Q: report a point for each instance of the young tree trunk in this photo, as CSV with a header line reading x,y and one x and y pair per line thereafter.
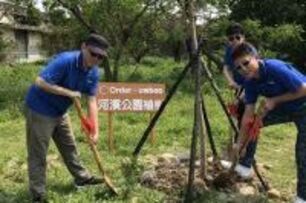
x,y
197,102
107,70
117,63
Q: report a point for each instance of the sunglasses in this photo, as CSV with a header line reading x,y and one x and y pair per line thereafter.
x,y
235,37
245,64
95,55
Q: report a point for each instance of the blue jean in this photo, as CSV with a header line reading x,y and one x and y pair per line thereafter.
x,y
279,116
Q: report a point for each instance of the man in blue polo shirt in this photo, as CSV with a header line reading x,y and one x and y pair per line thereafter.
x,y
67,76
284,89
235,36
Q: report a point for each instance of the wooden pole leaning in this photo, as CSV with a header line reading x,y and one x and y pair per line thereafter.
x,y
110,137
165,102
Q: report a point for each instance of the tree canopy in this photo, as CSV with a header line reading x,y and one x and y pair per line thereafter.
x,y
136,28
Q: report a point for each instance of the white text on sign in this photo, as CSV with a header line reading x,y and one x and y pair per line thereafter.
x,y
134,97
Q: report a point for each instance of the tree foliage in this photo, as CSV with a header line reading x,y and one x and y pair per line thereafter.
x,y
136,28
33,15
280,25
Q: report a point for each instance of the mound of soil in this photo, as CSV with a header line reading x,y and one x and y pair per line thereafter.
x,y
169,173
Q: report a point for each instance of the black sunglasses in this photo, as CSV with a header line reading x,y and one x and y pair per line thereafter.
x,y
96,55
245,64
232,38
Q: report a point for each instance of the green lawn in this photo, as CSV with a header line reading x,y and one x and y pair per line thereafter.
x,y
173,133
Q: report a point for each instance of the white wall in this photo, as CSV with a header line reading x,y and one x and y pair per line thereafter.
x,y
34,46
34,53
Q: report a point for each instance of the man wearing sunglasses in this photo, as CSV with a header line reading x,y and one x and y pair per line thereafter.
x,y
235,36
284,89
67,76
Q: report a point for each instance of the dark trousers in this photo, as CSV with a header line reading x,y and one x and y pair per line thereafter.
x,y
40,129
279,116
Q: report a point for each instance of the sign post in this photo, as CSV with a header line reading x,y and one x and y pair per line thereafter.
x,y
129,97
152,135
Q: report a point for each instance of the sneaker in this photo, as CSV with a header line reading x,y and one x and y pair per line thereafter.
x,y
299,200
226,164
89,182
243,171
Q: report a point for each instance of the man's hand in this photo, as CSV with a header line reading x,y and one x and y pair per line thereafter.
x,y
89,127
237,150
232,108
74,94
270,104
233,85
94,138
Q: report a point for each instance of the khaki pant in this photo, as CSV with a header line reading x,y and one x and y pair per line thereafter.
x,y
40,129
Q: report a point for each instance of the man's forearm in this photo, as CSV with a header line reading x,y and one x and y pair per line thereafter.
x,y
228,75
54,89
301,92
247,118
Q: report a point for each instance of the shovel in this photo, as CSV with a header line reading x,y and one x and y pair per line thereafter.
x,y
226,178
93,148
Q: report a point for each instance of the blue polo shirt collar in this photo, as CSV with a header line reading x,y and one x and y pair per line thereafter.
x,y
262,70
80,63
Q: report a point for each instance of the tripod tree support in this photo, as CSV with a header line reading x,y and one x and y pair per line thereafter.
x,y
165,102
203,135
197,131
208,129
219,97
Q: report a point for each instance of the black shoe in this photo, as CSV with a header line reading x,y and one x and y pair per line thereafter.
x,y
89,182
39,199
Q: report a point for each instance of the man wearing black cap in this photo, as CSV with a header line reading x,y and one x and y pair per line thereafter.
x,y
67,76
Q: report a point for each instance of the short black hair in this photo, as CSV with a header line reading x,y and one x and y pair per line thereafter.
x,y
234,29
97,41
243,49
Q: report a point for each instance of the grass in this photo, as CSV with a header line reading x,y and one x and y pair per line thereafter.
x,y
173,133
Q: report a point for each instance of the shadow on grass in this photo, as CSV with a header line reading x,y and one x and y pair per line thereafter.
x,y
20,196
101,192
220,197
131,169
63,189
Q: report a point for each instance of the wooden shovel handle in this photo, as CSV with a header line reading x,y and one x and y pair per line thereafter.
x,y
261,112
94,149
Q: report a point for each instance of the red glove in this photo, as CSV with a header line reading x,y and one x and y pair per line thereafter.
x,y
88,126
253,130
232,108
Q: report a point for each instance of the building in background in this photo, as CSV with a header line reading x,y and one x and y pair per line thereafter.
x,y
21,41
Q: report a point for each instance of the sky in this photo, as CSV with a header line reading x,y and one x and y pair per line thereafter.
x,y
39,5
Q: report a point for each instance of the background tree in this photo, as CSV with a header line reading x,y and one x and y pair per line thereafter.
x,y
282,24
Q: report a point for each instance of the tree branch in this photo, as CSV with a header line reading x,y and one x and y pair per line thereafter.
x,y
78,14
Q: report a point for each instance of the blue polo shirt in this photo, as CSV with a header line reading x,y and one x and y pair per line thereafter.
x,y
65,70
228,61
276,78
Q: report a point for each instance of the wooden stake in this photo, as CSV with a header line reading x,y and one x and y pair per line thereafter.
x,y
152,134
203,134
110,140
